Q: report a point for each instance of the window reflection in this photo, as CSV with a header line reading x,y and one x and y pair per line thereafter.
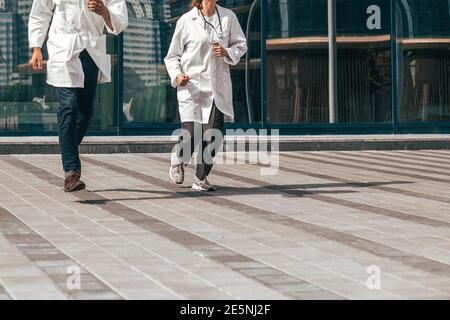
x,y
424,60
297,63
148,96
27,103
364,61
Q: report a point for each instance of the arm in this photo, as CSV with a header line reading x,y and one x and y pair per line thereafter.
x,y
114,13
40,16
173,58
118,14
237,44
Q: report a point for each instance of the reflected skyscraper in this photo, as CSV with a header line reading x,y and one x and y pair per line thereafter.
x,y
14,48
23,8
5,5
145,41
8,43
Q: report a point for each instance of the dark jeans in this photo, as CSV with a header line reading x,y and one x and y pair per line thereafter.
x,y
75,112
196,134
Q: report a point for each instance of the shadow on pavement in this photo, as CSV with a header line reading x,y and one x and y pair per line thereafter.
x,y
290,191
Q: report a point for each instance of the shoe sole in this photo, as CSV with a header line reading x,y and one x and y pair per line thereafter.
x,y
79,187
171,177
198,188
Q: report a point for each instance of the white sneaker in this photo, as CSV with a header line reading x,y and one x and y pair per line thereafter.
x,y
202,185
176,173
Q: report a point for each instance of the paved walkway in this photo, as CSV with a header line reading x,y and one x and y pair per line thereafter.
x,y
328,225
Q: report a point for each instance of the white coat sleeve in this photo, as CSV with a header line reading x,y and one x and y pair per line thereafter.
x,y
237,44
176,49
119,16
40,17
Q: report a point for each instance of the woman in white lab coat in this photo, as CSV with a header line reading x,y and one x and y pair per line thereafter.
x,y
207,40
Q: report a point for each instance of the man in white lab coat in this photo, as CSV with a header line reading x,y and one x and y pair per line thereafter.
x,y
77,63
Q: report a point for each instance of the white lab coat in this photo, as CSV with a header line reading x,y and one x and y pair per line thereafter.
x,y
191,53
73,29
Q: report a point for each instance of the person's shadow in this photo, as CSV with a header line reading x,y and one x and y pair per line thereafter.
x,y
291,191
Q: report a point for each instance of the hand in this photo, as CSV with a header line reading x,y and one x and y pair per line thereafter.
x,y
98,7
219,50
36,59
182,79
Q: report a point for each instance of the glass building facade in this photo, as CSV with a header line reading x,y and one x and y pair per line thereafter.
x,y
393,69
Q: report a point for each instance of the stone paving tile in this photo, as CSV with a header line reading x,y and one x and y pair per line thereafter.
x,y
400,215
41,253
167,276
423,218
118,247
371,168
237,241
408,167
415,158
261,209
309,238
80,250
191,214
326,161
403,228
223,256
20,278
435,153
413,162
4,295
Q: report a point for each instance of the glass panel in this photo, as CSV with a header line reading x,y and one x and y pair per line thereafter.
x,y
148,96
364,61
297,61
246,76
424,60
27,103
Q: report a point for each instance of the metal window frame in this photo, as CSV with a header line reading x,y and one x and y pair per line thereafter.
x,y
264,14
394,67
119,88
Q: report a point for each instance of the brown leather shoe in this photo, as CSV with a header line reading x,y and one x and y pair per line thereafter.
x,y
72,182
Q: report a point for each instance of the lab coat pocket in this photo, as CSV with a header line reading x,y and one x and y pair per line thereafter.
x,y
60,46
188,93
101,43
